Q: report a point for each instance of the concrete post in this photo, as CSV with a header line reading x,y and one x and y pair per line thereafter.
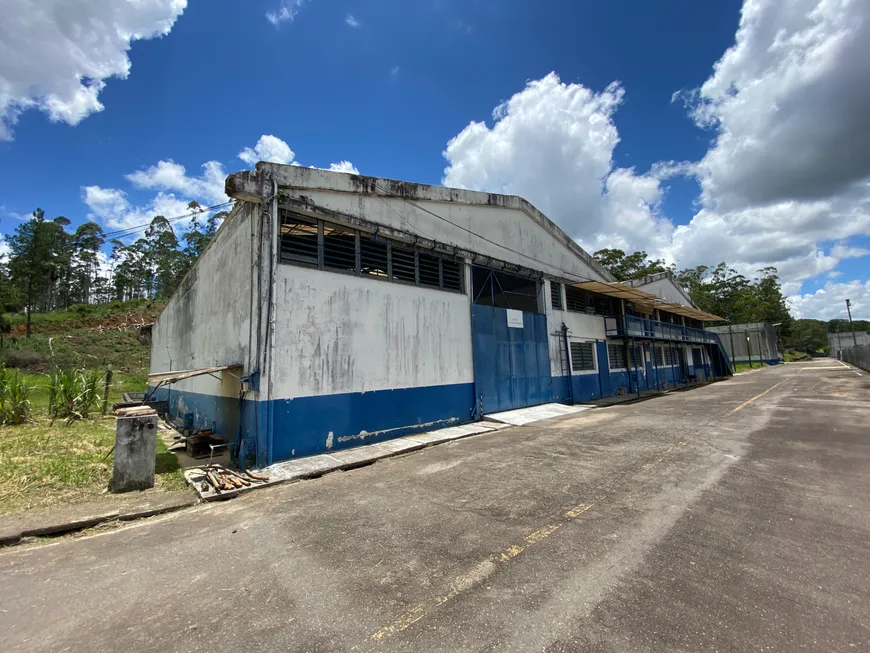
x,y
135,452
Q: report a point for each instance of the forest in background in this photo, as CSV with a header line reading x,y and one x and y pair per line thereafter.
x,y
723,291
50,268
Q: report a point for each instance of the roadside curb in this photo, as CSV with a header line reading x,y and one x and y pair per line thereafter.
x,y
61,527
311,467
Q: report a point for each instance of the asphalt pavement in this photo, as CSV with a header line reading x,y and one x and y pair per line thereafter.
x,y
732,517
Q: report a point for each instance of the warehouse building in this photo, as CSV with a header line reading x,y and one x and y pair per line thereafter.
x,y
332,310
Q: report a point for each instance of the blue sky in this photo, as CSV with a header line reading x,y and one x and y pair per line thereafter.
x,y
388,89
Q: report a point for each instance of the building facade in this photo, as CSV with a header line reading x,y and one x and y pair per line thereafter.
x,y
344,310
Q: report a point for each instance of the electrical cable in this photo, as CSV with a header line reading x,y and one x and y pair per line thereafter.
x,y
567,274
132,230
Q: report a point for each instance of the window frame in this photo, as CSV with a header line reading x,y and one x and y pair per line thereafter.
x,y
556,292
362,239
592,350
620,347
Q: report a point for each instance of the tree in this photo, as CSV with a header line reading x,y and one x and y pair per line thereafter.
x,y
87,242
33,258
723,291
626,267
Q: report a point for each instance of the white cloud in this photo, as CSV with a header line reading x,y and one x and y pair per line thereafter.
x,y
57,56
344,166
789,103
351,21
285,13
787,171
176,188
170,176
111,207
829,303
394,71
269,148
553,143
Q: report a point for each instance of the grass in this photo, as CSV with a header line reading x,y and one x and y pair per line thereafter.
x,y
791,355
133,311
743,367
43,464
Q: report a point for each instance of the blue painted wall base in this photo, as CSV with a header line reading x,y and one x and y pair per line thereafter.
x,y
310,425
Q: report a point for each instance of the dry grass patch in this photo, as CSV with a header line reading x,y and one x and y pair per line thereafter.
x,y
43,464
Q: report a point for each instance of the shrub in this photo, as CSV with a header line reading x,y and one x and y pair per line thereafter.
x,y
73,394
24,359
14,397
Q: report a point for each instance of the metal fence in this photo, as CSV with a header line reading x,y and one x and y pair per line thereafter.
x,y
858,356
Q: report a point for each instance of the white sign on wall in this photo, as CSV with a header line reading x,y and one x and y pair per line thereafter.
x,y
514,319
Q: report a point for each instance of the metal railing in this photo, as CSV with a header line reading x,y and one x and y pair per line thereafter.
x,y
639,327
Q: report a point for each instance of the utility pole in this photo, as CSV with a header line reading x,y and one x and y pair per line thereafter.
x,y
851,326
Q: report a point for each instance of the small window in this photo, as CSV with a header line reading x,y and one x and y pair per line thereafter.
x,y
582,356
578,301
659,358
404,263
616,356
669,356
374,256
451,272
298,239
556,295
430,269
339,248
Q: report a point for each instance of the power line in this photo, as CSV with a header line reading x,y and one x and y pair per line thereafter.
x,y
567,274
129,231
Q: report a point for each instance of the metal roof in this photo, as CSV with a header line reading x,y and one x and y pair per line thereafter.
x,y
688,311
172,377
643,300
617,290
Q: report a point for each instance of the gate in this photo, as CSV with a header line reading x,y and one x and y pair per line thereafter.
x,y
511,358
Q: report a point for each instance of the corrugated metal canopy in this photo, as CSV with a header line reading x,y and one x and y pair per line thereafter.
x,y
617,290
688,311
172,377
643,300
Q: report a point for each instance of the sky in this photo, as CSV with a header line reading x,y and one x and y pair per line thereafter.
x,y
699,132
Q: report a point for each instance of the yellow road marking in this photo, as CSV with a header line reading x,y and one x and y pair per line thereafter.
x,y
418,612
831,367
759,396
465,583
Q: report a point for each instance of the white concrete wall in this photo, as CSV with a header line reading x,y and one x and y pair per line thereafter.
x,y
843,340
666,289
337,333
506,220
581,326
207,321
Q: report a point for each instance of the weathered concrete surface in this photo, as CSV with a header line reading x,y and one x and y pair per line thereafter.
x,y
135,451
731,518
66,518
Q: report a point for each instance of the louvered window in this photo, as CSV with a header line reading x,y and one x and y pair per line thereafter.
x,y
556,295
616,356
582,356
316,243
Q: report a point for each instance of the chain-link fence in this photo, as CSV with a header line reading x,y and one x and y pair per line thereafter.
x,y
858,356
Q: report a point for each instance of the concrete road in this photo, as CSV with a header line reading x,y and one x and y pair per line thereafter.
x,y
733,517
